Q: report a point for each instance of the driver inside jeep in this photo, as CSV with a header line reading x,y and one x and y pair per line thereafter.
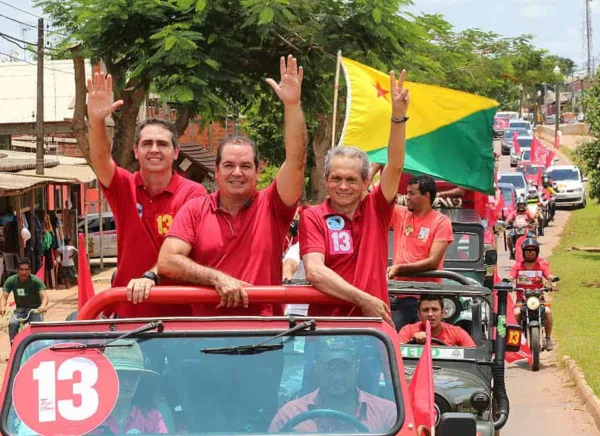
x,y
337,405
431,308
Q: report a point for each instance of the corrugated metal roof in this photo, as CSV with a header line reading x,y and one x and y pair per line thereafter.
x,y
18,82
11,184
200,155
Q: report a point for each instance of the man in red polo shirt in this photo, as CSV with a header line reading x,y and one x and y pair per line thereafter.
x,y
143,203
421,237
344,240
431,308
237,235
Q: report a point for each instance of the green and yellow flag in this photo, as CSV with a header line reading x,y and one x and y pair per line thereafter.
x,y
449,134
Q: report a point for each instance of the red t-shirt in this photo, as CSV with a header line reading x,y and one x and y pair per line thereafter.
x,y
451,335
377,414
357,249
415,235
248,246
530,277
139,237
515,215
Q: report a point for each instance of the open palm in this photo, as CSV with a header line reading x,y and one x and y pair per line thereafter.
x,y
290,87
99,105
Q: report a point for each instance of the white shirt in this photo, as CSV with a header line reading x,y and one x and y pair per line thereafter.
x,y
67,251
294,253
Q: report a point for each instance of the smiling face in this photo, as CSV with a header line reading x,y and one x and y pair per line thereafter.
x,y
155,150
237,174
345,184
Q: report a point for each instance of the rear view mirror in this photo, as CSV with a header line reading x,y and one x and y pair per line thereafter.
x,y
453,424
500,226
513,338
491,257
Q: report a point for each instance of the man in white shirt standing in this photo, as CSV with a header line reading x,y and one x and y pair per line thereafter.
x,y
67,254
293,269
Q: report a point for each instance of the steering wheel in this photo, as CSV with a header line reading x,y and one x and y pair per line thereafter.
x,y
323,413
434,340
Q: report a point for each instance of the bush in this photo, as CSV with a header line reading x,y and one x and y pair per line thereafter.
x,y
587,157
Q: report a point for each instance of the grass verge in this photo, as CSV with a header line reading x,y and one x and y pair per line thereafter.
x,y
577,306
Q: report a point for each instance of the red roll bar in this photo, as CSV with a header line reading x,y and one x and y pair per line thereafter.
x,y
207,295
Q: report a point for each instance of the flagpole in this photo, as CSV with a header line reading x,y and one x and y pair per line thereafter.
x,y
335,96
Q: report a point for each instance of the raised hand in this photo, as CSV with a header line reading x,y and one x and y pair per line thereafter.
x,y
99,94
290,86
400,96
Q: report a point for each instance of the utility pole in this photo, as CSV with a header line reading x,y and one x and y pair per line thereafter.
x,y
589,37
39,116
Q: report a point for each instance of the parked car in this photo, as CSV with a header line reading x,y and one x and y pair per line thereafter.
x,y
520,124
516,179
570,185
507,139
109,234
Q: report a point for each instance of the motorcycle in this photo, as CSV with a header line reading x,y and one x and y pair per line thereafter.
x,y
536,210
519,228
532,321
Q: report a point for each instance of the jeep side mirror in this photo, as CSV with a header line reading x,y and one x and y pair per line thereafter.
x,y
452,424
491,257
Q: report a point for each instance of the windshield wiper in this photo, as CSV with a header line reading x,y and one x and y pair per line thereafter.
x,y
154,325
262,346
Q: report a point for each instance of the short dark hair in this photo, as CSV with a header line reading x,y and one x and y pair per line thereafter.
x,y
158,122
431,297
23,261
67,240
426,184
237,140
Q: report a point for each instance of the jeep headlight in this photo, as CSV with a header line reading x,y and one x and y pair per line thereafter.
x,y
450,308
481,401
533,303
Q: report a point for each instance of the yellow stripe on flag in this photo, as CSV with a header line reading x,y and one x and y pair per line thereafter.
x,y
368,110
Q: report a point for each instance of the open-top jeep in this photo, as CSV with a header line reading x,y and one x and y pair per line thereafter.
x,y
210,375
467,380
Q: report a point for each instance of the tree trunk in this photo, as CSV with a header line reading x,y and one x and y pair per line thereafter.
x,y
80,111
321,145
183,119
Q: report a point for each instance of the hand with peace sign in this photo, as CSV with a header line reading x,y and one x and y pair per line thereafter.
x,y
290,86
400,95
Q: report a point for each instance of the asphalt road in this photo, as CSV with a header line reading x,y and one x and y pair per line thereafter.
x,y
542,403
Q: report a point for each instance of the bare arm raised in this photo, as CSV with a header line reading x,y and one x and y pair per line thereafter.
x,y
290,177
99,108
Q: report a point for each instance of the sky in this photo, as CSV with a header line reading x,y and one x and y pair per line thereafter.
x,y
556,24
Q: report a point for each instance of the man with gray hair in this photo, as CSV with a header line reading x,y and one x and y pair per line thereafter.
x,y
344,240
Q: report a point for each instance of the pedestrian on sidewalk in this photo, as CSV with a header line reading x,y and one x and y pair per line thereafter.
x,y
67,254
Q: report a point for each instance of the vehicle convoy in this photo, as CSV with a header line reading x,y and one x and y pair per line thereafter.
x,y
507,139
227,375
467,380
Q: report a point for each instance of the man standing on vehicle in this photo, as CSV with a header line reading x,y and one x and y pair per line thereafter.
x,y
421,237
29,293
343,241
431,308
156,188
236,236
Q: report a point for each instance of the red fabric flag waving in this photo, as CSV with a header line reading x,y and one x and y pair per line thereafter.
x,y
41,272
516,143
421,389
549,158
85,287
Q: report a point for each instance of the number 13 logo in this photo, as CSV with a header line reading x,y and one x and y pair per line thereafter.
x,y
340,242
164,224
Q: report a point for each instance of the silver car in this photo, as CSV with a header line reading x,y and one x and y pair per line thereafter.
x,y
524,143
507,139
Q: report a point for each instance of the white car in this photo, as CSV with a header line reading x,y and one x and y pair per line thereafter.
x,y
521,124
109,234
517,180
524,144
570,185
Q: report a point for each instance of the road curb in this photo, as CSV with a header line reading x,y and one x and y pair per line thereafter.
x,y
585,392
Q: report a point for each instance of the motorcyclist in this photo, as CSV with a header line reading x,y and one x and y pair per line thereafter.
x,y
530,274
520,213
549,194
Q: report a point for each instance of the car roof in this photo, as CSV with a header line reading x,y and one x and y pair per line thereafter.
x,y
525,137
512,173
507,186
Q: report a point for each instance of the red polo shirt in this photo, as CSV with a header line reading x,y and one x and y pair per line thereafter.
x,y
139,237
451,335
357,249
248,246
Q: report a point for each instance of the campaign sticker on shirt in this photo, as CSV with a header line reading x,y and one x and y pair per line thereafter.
x,y
340,242
530,277
424,233
69,389
140,209
335,222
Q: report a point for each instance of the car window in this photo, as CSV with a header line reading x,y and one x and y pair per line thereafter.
x,y
200,393
526,154
516,180
529,170
564,175
465,247
524,142
523,125
507,195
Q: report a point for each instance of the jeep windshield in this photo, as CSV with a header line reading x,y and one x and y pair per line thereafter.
x,y
317,382
464,248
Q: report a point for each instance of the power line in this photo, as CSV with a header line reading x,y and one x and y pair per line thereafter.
x,y
17,21
31,63
25,12
15,41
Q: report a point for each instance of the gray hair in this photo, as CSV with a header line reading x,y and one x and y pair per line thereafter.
x,y
349,153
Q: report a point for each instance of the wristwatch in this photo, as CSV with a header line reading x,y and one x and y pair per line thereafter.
x,y
150,275
399,120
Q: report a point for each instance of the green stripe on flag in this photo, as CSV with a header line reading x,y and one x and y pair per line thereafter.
x,y
460,153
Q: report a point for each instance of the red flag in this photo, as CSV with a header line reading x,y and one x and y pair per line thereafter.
x,y
85,287
41,274
549,158
421,390
516,143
